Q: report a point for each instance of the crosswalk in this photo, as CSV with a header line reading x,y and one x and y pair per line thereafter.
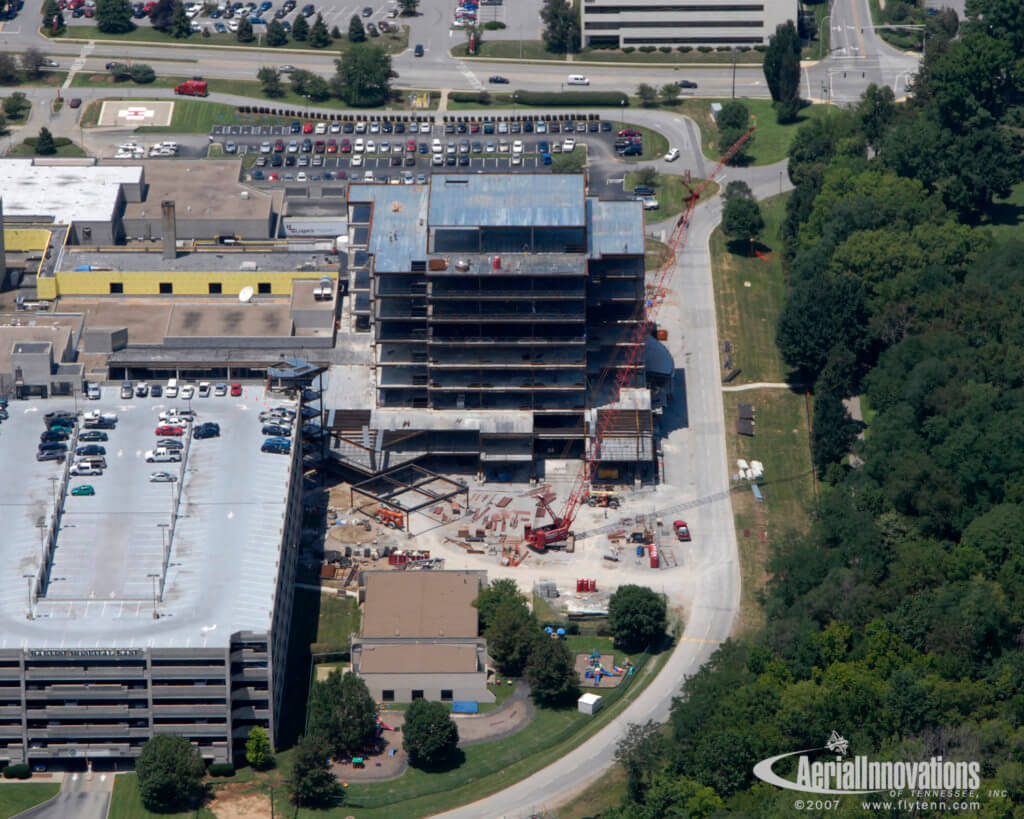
x,y
79,62
471,78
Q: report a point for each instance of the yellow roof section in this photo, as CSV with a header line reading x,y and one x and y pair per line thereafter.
x,y
23,240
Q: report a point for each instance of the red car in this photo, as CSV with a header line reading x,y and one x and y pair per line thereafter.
x,y
274,177
629,132
307,128
682,530
236,390
332,146
346,146
278,146
167,429
410,146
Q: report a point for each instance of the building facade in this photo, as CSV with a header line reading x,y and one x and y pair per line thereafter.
x,y
638,23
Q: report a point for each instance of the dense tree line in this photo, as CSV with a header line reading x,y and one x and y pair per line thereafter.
x,y
897,619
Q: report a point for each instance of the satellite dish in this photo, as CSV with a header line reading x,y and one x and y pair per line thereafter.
x,y
245,295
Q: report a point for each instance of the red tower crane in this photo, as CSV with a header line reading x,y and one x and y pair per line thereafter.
x,y
539,538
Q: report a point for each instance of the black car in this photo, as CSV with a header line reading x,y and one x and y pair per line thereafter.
x,y
396,160
156,391
386,127
528,127
296,126
208,430
169,443
277,429
53,446
367,12
53,416
276,447
497,79
463,161
92,435
594,126
418,51
308,10
399,127
52,435
50,455
91,449
605,127
348,127
686,84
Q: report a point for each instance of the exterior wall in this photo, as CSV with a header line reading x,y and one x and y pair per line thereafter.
x,y
463,686
147,283
185,228
683,22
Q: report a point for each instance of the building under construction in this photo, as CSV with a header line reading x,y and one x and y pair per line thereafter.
x,y
497,305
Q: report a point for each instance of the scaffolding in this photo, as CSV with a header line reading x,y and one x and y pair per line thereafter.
x,y
387,489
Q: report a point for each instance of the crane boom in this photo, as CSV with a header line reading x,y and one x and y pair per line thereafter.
x,y
541,537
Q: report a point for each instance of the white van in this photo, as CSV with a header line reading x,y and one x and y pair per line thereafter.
x,y
171,391
577,79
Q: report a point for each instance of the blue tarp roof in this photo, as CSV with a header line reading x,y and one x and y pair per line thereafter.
x,y
502,200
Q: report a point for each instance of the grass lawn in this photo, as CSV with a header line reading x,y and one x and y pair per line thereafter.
x,y
21,118
392,43
339,620
771,140
15,798
1005,219
747,315
125,803
509,50
50,78
572,161
655,143
498,101
656,254
27,148
671,193
607,792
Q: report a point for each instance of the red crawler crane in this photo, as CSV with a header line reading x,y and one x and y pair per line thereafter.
x,y
541,537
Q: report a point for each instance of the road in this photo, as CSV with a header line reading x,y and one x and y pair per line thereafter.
x,y
82,796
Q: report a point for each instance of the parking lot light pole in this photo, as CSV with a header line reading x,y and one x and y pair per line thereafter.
x,y
154,576
622,123
29,577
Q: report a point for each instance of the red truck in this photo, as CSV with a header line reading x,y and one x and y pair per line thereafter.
x,y
193,88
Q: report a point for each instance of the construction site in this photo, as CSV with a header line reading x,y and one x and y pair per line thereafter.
x,y
520,386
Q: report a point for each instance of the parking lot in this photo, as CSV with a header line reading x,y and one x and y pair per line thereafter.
x,y
402,148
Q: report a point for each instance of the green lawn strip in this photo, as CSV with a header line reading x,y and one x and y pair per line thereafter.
x,y
45,78
499,101
488,767
27,148
509,50
747,315
671,193
572,161
339,620
607,792
600,55
656,254
15,798
125,803
392,43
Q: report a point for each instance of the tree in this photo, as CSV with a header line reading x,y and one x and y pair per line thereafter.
x,y
142,74
875,112
300,29
114,16
999,19
276,35
363,76
733,121
258,751
648,95
636,618
335,33
430,735
163,14
741,215
51,10
244,32
270,81
408,7
833,431
181,26
299,79
3,124
170,773
319,37
16,104
311,782
8,69
317,88
639,752
120,72
511,637
356,32
669,94
45,145
32,61
561,26
782,71
551,673
647,175
342,711
493,597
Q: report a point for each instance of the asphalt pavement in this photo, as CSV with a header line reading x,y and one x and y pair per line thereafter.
x,y
82,796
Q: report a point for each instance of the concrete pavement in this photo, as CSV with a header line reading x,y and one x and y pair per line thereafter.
x,y
82,796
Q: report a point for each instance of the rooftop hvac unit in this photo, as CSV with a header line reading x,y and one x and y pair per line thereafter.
x,y
462,265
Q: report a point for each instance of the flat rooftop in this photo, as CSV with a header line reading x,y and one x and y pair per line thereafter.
x,y
506,200
24,330
524,264
214,261
224,553
233,319
420,604
398,223
420,658
615,228
200,189
68,193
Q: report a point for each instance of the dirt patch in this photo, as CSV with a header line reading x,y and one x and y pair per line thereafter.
x,y
388,761
240,802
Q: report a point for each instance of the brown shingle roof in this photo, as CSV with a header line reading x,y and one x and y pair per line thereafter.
x,y
420,604
423,658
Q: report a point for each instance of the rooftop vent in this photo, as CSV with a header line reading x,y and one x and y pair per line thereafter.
x,y
462,264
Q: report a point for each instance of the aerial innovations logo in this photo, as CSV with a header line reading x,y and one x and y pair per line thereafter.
x,y
858,775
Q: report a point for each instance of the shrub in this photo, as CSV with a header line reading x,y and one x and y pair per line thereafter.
x,y
221,769
648,49
584,98
665,49
20,771
142,74
684,49
761,48
494,25
724,49
629,49
705,49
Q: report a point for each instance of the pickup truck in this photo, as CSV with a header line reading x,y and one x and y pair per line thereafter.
x,y
161,455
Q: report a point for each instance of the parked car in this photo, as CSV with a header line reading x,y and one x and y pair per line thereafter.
x,y
220,390
91,449
126,390
53,446
208,430
418,51
169,443
83,490
672,155
168,429
236,390
93,435
160,455
156,391
142,390
50,455
682,530
85,469
276,430
162,477
276,447
51,436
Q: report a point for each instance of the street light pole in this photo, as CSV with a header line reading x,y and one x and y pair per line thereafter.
x,y
29,578
154,577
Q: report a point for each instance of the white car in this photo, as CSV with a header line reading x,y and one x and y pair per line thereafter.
x,y
265,148
436,146
517,159
204,389
220,390
438,159
233,26
321,128
358,146
517,146
568,145
161,455
672,155
85,469
360,127
368,176
375,127
407,178
92,392
371,146
162,477
357,161
171,390
301,177
335,127
188,392
650,203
